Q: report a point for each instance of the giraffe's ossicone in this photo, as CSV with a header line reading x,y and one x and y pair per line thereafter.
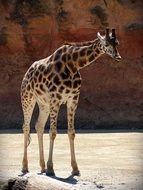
x,y
56,80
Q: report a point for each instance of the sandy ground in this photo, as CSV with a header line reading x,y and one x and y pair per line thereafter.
x,y
106,160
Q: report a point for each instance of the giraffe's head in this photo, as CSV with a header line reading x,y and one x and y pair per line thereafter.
x,y
109,44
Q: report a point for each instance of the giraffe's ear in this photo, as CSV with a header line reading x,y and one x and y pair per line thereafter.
x,y
113,33
99,36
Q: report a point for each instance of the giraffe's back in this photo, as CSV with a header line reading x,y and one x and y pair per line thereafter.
x,y
50,80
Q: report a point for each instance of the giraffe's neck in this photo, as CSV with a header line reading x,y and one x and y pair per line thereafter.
x,y
85,53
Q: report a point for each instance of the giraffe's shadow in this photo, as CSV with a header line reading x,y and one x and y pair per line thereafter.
x,y
70,179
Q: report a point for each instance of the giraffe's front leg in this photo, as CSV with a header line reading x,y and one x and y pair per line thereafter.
x,y
54,109
71,133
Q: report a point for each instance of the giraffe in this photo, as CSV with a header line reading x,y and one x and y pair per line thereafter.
x,y
56,80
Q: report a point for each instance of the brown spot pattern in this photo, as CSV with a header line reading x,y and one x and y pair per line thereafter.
x,y
42,88
76,83
57,80
67,91
65,74
40,77
64,57
32,85
91,58
75,56
57,56
36,73
89,52
44,80
50,76
97,51
35,79
53,88
58,96
72,67
28,87
38,92
82,52
58,66
75,97
41,68
82,63
61,89
68,83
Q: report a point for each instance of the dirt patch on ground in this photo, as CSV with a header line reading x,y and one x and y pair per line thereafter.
x,y
106,160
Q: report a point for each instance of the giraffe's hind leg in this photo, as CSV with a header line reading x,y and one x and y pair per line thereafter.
x,y
28,104
42,119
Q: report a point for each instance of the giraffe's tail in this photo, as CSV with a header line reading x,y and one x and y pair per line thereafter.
x,y
27,107
29,140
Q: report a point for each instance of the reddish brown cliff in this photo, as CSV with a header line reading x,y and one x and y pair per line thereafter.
x,y
112,93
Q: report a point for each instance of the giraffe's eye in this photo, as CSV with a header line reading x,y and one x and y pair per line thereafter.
x,y
106,45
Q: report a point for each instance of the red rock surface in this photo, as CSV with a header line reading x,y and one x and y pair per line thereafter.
x,y
30,30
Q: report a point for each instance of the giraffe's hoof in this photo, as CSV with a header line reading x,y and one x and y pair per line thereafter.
x,y
23,172
50,173
43,171
76,173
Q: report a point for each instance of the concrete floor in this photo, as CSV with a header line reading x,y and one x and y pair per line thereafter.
x,y
106,160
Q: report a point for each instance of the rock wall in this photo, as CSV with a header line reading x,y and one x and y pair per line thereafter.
x,y
111,92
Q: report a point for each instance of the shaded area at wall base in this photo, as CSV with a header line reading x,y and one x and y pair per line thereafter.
x,y
83,121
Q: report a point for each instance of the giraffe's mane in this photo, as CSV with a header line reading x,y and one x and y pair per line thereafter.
x,y
79,44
